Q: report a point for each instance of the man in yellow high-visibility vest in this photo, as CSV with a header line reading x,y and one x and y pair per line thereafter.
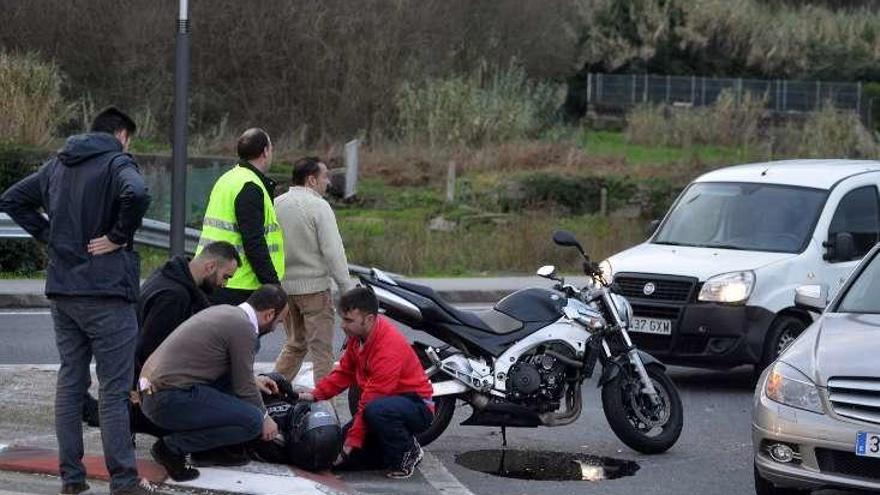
x,y
241,211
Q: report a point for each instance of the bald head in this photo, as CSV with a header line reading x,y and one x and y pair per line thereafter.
x,y
255,146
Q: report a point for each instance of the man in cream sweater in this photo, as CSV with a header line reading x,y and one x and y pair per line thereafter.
x,y
313,254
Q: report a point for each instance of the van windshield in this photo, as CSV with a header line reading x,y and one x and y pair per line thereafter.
x,y
754,217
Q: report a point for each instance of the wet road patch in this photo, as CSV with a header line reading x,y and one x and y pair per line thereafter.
x,y
546,465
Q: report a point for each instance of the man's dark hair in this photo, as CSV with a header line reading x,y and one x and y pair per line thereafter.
x,y
252,143
112,120
304,168
222,250
268,296
359,298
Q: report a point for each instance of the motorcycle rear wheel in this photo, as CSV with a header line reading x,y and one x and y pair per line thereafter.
x,y
633,418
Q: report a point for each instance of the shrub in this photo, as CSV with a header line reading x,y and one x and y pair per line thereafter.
x,y
485,106
830,133
24,257
30,99
726,122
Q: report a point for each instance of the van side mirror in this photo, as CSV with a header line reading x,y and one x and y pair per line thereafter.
x,y
652,227
811,297
840,247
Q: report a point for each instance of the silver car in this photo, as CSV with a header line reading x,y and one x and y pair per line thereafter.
x,y
816,417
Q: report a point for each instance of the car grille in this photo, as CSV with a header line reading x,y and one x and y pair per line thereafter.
x,y
666,288
856,398
848,464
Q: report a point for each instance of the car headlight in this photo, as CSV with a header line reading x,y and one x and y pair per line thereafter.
x,y
624,308
786,385
607,272
733,288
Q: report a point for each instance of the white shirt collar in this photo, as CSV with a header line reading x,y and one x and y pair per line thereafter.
x,y
251,314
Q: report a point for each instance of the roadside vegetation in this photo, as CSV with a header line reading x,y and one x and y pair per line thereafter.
x,y
495,90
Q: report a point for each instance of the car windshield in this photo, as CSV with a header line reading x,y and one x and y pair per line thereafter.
x,y
862,294
754,217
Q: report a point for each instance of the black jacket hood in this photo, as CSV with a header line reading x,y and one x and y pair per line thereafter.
x,y
83,147
177,269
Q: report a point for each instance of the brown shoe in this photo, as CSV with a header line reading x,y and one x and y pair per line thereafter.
x,y
81,488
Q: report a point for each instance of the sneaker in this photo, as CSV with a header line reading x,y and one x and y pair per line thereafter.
x,y
228,456
142,487
409,463
174,464
81,488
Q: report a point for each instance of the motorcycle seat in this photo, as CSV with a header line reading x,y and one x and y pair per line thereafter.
x,y
487,321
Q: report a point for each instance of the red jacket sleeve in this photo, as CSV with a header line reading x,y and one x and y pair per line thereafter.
x,y
342,376
385,367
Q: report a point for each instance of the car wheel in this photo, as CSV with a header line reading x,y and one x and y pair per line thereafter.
x,y
764,487
783,332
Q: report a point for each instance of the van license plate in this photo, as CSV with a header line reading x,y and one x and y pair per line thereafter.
x,y
650,325
868,444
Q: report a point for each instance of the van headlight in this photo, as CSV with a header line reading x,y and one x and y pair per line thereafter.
x,y
732,288
786,385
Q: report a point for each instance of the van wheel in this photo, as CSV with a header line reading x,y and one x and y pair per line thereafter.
x,y
784,330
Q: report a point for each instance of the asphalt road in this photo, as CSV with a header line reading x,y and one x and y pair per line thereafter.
x,y
713,455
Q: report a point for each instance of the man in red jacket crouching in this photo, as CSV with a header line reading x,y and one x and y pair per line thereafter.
x,y
395,402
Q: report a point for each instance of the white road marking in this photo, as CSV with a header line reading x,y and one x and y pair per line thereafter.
x,y
25,313
440,478
229,480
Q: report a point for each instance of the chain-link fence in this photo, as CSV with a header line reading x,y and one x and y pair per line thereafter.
x,y
625,90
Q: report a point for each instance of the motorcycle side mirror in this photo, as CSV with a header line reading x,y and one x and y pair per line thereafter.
x,y
547,271
566,238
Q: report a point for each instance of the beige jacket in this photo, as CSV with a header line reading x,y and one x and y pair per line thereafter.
x,y
313,250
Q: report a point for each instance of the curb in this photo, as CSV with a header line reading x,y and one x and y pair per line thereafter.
x,y
38,300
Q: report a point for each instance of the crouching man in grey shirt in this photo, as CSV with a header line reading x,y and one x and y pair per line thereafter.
x,y
199,384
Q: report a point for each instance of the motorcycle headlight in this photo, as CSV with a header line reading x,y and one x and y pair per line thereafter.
x,y
732,288
624,308
607,273
786,385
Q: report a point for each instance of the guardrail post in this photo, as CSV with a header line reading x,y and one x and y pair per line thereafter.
x,y
351,168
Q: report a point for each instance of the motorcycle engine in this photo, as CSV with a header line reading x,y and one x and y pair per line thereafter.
x,y
538,379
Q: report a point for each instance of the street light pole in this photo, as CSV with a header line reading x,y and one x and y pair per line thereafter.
x,y
178,151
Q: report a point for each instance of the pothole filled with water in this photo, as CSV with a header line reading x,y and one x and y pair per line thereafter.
x,y
546,465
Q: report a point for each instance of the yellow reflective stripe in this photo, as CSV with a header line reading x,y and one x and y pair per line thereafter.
x,y
204,241
220,224
232,227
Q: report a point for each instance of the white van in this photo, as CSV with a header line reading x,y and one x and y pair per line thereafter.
x,y
714,284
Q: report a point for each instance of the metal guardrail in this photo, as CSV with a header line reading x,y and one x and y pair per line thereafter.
x,y
152,233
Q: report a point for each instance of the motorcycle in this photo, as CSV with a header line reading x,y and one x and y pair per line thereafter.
x,y
523,362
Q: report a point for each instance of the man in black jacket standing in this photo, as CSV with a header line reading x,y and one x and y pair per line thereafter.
x,y
95,199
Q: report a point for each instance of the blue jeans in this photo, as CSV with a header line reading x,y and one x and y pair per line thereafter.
x,y
105,328
202,418
392,423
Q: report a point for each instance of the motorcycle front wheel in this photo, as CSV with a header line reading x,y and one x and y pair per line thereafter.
x,y
633,417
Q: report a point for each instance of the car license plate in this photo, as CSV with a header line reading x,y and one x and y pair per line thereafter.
x,y
868,444
650,325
